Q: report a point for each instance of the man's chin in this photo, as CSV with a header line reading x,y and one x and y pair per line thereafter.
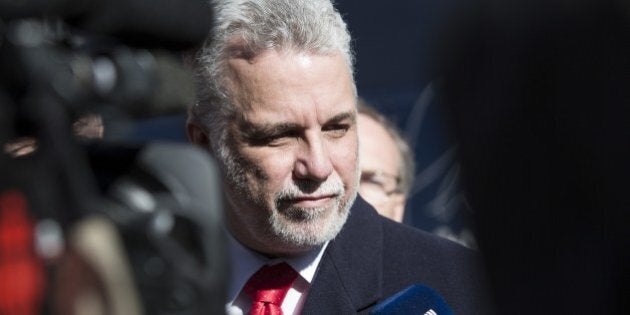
x,y
303,215
308,228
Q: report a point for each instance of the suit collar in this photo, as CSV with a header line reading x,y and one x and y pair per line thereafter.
x,y
349,277
245,262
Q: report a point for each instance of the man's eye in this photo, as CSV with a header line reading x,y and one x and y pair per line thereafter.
x,y
280,138
336,130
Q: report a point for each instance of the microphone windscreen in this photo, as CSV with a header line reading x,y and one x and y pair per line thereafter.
x,y
416,299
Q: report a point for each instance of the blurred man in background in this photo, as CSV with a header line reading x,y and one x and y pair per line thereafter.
x,y
387,167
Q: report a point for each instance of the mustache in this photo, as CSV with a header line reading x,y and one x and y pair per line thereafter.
x,y
301,189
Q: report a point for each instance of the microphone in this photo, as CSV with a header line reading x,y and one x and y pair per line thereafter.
x,y
172,24
416,299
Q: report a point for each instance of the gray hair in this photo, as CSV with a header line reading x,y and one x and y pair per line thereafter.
x,y
246,28
406,169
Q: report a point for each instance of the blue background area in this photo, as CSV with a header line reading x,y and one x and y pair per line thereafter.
x,y
395,44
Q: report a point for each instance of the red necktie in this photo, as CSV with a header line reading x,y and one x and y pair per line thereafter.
x,y
268,287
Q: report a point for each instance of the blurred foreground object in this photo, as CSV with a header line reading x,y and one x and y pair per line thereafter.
x,y
115,228
18,259
539,92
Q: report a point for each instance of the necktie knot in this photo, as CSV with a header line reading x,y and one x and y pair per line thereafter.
x,y
268,287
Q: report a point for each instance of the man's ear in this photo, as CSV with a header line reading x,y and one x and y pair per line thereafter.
x,y
197,135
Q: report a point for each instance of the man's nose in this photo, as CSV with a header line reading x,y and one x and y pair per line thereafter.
x,y
313,160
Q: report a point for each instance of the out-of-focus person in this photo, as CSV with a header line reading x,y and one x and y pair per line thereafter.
x,y
386,163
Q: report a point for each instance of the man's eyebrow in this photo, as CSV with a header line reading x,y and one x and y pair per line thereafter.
x,y
351,116
252,131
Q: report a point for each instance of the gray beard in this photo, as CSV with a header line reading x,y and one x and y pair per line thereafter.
x,y
305,228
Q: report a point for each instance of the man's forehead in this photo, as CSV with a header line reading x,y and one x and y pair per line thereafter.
x,y
377,145
286,85
239,64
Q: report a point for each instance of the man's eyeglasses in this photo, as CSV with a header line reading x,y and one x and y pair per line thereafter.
x,y
377,187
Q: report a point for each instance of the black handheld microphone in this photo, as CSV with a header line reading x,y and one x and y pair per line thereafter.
x,y
416,299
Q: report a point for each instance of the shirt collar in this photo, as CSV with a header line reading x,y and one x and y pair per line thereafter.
x,y
245,262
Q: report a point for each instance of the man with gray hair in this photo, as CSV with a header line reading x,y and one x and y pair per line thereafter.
x,y
277,109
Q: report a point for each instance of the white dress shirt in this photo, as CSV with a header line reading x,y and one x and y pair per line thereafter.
x,y
245,262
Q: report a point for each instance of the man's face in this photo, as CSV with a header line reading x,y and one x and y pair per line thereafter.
x,y
291,153
380,161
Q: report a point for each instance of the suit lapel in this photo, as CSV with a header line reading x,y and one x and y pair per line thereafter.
x,y
349,277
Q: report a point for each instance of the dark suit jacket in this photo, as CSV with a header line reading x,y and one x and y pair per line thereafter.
x,y
373,258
